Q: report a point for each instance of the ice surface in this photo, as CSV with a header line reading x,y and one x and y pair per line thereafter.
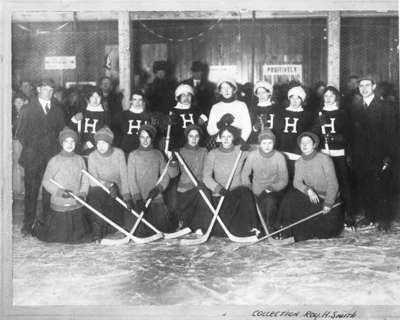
x,y
358,268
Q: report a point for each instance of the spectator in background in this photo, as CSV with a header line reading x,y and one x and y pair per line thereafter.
x,y
111,101
204,90
350,93
160,93
26,89
316,99
19,101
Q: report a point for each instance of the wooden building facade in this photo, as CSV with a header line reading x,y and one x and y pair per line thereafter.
x,y
329,46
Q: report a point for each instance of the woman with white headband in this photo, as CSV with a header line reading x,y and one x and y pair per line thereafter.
x,y
291,122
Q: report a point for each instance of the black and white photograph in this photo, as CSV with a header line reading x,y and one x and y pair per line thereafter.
x,y
200,159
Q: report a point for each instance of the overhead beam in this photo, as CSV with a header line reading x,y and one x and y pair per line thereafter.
x,y
59,16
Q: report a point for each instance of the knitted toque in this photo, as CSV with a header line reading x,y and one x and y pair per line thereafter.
x,y
104,134
266,134
67,133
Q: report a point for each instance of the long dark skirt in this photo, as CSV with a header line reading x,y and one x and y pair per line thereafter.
x,y
296,206
158,215
268,204
66,227
193,210
238,213
107,206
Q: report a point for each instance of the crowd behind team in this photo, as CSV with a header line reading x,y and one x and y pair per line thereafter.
x,y
290,153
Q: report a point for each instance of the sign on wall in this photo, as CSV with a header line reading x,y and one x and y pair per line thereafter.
x,y
280,73
220,72
60,63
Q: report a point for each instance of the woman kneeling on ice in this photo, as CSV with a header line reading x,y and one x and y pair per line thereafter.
x,y
107,164
270,177
316,189
145,166
238,211
65,219
192,210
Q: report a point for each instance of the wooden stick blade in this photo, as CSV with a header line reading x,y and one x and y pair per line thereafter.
x,y
177,234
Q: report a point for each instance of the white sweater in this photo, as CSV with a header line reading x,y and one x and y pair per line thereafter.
x,y
238,109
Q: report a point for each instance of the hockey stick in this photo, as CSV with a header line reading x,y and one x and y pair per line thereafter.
x,y
84,203
168,137
207,201
296,223
126,239
271,240
121,202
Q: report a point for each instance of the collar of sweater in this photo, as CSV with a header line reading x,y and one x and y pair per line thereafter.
x,y
266,154
108,153
228,100
310,156
299,109
264,103
67,154
150,147
98,108
136,111
181,106
332,107
226,150
189,147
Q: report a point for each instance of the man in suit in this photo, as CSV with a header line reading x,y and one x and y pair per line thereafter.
x,y
40,124
204,90
371,153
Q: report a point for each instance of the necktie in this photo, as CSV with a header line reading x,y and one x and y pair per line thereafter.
x,y
365,106
46,107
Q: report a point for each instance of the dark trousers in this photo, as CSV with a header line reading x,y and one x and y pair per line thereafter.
x,y
342,173
33,180
371,195
268,204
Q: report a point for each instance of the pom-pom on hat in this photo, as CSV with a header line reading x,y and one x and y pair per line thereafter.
x,y
151,130
263,84
67,133
266,134
183,88
309,134
104,134
228,80
193,127
297,91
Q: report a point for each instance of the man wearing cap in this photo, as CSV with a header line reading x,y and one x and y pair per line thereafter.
x,y
371,152
160,93
204,90
40,124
